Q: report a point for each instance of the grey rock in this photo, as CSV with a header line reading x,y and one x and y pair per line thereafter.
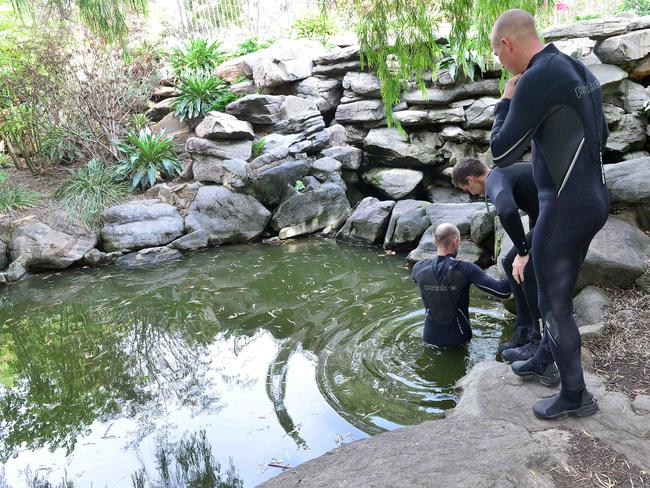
x,y
628,181
364,84
635,155
312,210
355,134
367,224
272,185
643,281
52,245
350,157
140,224
361,111
95,257
613,114
161,92
338,135
624,48
285,61
17,270
442,193
641,405
221,126
596,28
175,128
617,256
191,242
628,95
226,216
337,69
503,244
325,92
467,251
408,221
415,118
453,152
180,195
207,156
457,134
337,56
257,109
589,305
444,96
608,74
232,69
628,134
390,147
395,183
327,169
578,48
459,214
482,225
4,259
481,113
151,256
592,330
160,109
243,88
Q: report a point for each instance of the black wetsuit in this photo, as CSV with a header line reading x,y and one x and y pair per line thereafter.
x,y
511,189
558,104
444,286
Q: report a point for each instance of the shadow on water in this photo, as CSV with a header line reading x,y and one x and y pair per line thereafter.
x,y
295,348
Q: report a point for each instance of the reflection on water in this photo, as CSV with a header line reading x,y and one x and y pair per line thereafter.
x,y
279,353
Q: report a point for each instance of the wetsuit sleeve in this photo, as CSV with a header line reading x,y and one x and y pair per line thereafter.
x,y
416,271
498,288
511,221
516,120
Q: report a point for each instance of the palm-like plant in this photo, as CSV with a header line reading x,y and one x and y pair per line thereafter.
x,y
148,157
197,55
200,93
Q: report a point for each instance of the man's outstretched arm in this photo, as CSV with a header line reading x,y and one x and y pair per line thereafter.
x,y
497,288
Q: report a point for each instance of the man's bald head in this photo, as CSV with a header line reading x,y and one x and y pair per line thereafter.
x,y
445,235
515,39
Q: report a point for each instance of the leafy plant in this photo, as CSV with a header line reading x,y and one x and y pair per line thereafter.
x,y
462,61
148,157
137,121
250,46
299,185
4,160
258,147
318,26
16,197
646,106
88,191
197,55
57,145
199,94
641,7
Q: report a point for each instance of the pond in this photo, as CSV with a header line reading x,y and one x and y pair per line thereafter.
x,y
277,353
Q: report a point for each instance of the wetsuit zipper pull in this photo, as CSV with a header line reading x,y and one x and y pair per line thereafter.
x,y
602,168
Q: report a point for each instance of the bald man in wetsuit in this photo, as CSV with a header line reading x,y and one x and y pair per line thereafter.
x,y
444,283
555,102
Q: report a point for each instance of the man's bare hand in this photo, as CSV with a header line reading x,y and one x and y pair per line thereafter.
x,y
518,266
510,86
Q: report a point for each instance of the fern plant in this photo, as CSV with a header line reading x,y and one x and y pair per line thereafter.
x,y
200,93
148,158
197,55
250,46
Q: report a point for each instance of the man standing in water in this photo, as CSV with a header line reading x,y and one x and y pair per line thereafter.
x,y
556,102
444,286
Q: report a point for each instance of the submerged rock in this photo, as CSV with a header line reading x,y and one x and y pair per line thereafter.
x,y
148,257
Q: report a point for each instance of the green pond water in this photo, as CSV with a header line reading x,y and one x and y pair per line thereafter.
x,y
279,353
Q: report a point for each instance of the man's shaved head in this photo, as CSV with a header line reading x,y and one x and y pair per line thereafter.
x,y
445,234
515,24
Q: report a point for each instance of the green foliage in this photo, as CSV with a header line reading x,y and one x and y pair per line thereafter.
x,y
88,191
16,197
197,55
299,185
104,18
4,160
462,61
57,145
148,157
258,147
250,46
578,18
188,463
641,7
199,93
319,26
137,122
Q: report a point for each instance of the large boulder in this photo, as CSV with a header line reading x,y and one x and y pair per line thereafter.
x,y
628,181
617,256
4,258
160,109
424,117
628,134
360,111
408,221
220,126
482,224
312,210
440,192
273,184
589,305
459,214
625,48
350,157
226,216
467,251
395,183
173,127
392,148
52,245
208,156
285,61
324,92
140,224
596,28
443,96
367,224
480,114
363,84
628,95
180,195
608,75
340,55
257,109
151,256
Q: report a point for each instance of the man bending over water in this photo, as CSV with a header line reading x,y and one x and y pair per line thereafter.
x,y
444,286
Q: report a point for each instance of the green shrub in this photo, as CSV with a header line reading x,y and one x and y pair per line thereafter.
x,y
136,122
148,157
641,7
57,145
16,197
318,26
258,147
88,191
197,55
250,46
200,93
462,59
299,185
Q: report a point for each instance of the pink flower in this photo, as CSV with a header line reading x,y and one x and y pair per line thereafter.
x,y
562,7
